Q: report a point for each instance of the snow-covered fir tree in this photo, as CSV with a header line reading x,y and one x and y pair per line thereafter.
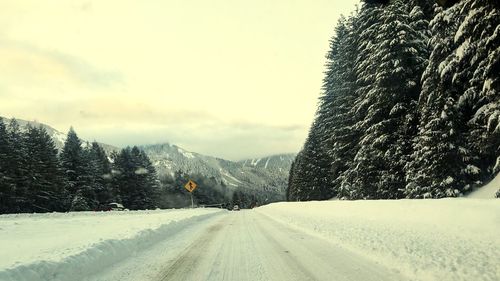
x,y
75,162
100,169
457,145
393,60
7,187
135,179
46,186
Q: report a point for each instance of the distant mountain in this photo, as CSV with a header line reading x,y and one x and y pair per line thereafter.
x,y
279,162
269,173
58,137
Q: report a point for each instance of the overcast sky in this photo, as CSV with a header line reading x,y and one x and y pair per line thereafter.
x,y
227,78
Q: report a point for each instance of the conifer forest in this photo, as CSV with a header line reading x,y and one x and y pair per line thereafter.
x,y
410,106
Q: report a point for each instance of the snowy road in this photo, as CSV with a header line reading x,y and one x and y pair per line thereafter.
x,y
249,246
445,240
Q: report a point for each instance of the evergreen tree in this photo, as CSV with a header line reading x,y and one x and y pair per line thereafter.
x,y
316,181
7,187
336,104
458,139
75,162
289,196
396,59
148,178
136,179
88,179
72,160
46,189
100,169
17,168
476,67
297,190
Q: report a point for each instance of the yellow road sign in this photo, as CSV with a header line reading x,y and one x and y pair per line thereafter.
x,y
190,186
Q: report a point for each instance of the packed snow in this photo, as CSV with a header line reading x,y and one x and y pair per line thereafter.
x,y
448,239
69,246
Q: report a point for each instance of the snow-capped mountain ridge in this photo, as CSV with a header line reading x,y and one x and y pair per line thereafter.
x,y
273,162
271,173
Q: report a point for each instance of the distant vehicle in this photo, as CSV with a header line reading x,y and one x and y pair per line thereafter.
x,y
116,207
112,207
236,208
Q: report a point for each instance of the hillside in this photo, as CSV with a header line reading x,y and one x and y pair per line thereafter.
x,y
279,163
168,159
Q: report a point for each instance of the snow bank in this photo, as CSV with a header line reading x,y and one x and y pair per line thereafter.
x,y
75,245
488,191
448,239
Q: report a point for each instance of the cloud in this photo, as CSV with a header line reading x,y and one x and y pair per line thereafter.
x,y
86,6
229,79
25,60
234,141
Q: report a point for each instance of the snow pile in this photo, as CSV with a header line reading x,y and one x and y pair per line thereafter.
x,y
488,191
448,239
75,245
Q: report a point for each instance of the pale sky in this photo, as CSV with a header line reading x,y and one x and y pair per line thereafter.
x,y
227,78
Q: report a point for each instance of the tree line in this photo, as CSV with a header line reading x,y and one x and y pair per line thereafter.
x,y
410,105
36,177
210,191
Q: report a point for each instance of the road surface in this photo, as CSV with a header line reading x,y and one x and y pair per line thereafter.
x,y
246,245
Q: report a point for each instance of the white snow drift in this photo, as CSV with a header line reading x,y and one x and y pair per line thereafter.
x,y
71,246
448,239
488,191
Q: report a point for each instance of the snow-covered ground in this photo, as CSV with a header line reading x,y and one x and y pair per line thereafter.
x,y
69,246
448,239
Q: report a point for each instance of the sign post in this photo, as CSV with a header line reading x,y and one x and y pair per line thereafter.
x,y
191,186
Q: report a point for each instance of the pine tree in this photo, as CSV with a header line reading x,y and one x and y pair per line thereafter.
x,y
476,67
136,179
100,169
295,179
147,177
316,181
72,160
458,139
75,162
393,60
46,189
337,103
87,179
17,166
289,196
7,187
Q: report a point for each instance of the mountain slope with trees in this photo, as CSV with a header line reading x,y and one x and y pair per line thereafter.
x,y
261,180
410,104
44,170
35,177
